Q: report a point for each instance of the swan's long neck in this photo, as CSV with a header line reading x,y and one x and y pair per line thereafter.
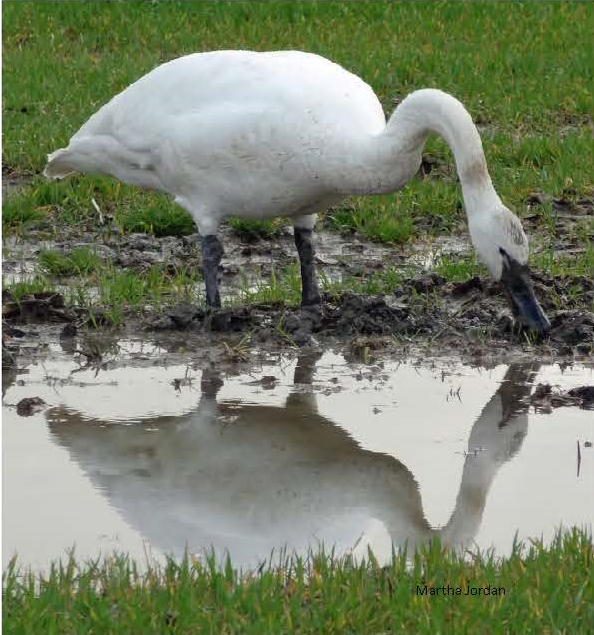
x,y
463,526
390,159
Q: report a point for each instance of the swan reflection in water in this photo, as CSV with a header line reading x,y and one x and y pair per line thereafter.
x,y
252,479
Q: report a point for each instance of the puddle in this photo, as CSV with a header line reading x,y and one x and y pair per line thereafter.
x,y
148,455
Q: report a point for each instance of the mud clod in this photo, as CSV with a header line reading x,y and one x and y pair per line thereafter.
x,y
461,289
455,315
68,331
29,406
37,308
12,331
585,393
182,314
545,398
230,321
8,357
425,282
574,328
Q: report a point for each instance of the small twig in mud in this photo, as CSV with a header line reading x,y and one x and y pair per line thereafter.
x,y
92,356
579,458
186,380
454,393
50,381
98,210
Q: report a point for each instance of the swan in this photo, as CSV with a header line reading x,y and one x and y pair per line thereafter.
x,y
288,133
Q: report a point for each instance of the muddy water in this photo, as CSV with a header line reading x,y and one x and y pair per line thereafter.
x,y
149,455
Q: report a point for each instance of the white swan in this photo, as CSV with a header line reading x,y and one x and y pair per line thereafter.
x,y
258,135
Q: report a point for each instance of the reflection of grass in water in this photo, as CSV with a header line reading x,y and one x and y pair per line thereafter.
x,y
547,589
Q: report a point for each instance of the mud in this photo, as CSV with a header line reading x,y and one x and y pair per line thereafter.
x,y
547,397
13,180
37,308
30,406
422,310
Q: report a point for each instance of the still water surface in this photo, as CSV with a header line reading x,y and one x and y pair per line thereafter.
x,y
297,454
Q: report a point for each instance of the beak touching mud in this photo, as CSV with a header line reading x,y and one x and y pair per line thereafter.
x,y
525,307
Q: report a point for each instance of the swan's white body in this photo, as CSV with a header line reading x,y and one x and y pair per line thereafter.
x,y
258,135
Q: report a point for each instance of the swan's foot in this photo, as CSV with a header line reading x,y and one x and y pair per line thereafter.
x,y
310,293
212,252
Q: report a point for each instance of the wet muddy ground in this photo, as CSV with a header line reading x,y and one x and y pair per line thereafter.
x,y
421,308
154,446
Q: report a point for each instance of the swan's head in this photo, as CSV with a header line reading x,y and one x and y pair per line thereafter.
x,y
501,244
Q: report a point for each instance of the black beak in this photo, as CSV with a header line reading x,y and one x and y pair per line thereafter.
x,y
517,286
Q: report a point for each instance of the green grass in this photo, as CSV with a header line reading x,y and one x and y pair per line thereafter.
x,y
159,217
251,229
31,286
118,292
104,289
283,285
458,268
18,213
79,262
497,59
581,264
547,590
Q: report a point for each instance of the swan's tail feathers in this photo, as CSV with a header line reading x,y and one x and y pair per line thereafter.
x,y
60,164
91,155
103,155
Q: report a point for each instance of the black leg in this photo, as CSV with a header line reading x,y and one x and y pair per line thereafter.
x,y
212,252
309,285
211,382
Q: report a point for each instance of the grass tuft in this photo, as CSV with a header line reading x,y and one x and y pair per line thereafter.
x,y
18,213
250,229
160,218
458,268
31,286
79,262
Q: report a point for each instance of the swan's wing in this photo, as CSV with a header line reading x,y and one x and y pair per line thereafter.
x,y
191,126
299,84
